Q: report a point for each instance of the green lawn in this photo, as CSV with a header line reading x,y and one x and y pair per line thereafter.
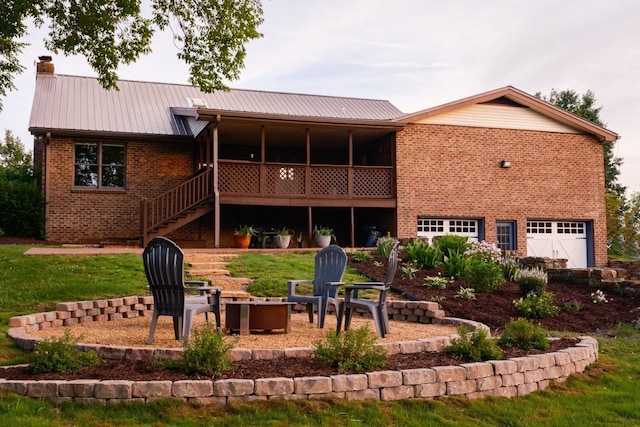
x,y
608,394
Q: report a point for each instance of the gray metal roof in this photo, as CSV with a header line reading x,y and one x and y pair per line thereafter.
x,y
73,103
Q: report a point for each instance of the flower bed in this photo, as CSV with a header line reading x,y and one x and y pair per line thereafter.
x,y
512,377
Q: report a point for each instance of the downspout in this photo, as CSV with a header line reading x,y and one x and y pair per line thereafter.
x,y
216,190
47,154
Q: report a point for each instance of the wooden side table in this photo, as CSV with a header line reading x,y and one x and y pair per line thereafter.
x,y
244,316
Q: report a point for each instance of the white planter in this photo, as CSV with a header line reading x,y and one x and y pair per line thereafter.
x,y
281,241
322,241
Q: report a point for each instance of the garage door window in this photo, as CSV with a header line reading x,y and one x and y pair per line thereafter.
x,y
433,227
571,228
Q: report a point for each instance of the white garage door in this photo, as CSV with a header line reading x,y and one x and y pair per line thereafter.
x,y
558,239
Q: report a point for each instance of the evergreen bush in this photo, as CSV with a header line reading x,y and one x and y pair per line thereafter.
x,y
524,335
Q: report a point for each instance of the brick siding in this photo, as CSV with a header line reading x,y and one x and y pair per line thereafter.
x,y
454,171
85,215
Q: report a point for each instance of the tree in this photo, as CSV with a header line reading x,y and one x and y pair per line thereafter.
x,y
584,106
20,198
16,164
210,34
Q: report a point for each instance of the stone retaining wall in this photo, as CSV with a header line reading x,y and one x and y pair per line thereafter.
x,y
628,269
72,313
509,378
506,378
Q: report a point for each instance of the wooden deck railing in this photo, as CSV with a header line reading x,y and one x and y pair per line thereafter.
x,y
296,180
177,201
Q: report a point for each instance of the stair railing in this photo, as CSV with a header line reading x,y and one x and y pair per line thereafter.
x,y
175,202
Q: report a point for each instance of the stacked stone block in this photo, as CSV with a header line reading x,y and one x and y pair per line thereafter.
x,y
506,378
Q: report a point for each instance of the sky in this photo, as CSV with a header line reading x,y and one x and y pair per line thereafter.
x,y
417,54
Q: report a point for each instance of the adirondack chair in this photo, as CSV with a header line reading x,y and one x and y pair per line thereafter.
x,y
377,308
164,266
330,264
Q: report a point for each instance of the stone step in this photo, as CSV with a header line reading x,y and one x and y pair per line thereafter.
x,y
192,257
208,272
231,283
208,264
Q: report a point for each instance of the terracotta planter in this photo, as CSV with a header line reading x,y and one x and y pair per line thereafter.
x,y
322,241
242,241
281,241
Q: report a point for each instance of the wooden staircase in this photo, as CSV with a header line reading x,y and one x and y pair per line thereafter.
x,y
177,207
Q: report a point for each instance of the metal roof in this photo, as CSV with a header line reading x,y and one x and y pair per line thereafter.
x,y
80,104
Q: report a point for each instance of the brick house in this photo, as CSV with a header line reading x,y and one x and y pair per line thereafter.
x,y
164,159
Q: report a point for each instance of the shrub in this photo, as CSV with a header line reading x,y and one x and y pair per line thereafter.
x,y
361,256
572,305
524,335
598,297
483,276
466,293
424,254
452,243
510,268
206,352
436,282
61,355
532,280
454,264
385,244
535,306
484,251
409,270
474,346
21,209
353,350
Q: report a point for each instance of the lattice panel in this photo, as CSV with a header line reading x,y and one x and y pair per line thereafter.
x,y
285,180
239,178
372,182
329,181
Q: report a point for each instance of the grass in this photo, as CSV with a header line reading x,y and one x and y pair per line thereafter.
x,y
607,394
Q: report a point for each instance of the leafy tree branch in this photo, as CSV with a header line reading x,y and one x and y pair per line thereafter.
x,y
211,35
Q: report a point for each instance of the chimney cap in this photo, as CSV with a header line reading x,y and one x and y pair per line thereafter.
x,y
45,58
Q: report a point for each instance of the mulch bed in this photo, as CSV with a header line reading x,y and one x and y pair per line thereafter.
x,y
144,370
497,308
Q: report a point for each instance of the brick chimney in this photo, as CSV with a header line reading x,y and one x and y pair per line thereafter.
x,y
45,66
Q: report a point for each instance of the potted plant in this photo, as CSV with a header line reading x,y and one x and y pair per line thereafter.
x,y
282,238
322,236
299,239
242,236
262,238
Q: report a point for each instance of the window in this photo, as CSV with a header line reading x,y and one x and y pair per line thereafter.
x,y
99,165
434,227
506,236
539,227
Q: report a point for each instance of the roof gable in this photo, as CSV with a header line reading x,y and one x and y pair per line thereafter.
x,y
511,108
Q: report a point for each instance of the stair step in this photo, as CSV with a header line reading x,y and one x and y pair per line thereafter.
x,y
207,264
231,283
208,272
192,256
